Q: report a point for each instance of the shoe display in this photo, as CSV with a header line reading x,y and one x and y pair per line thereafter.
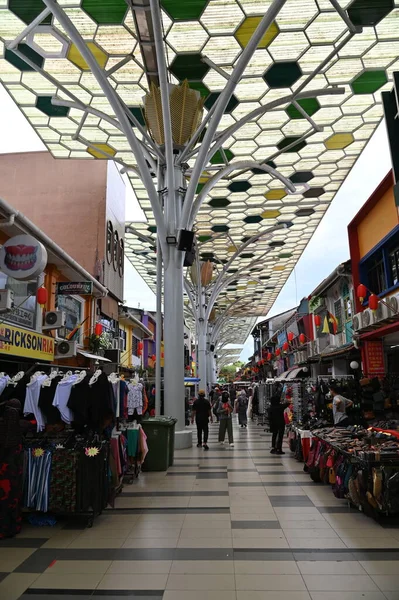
x,y
279,452
206,447
273,451
231,445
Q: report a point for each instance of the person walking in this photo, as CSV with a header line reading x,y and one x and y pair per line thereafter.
x,y
202,412
241,407
225,411
277,424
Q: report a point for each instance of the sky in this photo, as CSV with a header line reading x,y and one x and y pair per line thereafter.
x,y
326,250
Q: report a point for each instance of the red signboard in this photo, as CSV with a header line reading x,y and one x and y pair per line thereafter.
x,y
374,358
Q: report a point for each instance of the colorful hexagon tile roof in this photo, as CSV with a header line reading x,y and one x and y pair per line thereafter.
x,y
204,40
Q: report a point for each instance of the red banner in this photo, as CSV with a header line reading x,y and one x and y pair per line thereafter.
x,y
374,358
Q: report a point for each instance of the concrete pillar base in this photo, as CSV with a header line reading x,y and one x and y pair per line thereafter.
x,y
183,439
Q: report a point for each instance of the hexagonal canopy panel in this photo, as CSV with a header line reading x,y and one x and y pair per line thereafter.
x,y
211,99
43,103
189,66
309,105
219,202
106,12
293,47
314,192
253,219
369,82
368,13
184,11
239,186
282,74
247,29
291,144
338,141
28,10
301,176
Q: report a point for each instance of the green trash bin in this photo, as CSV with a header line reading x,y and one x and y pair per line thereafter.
x,y
158,432
171,423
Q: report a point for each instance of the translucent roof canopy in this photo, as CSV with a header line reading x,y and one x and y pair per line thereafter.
x,y
313,140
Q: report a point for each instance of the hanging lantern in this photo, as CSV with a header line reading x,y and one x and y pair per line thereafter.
x,y
269,356
302,338
373,302
98,329
290,336
286,346
153,357
278,352
139,348
317,320
361,292
41,296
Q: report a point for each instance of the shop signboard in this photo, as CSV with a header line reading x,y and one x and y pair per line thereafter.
x,y
374,355
281,337
74,288
23,257
27,344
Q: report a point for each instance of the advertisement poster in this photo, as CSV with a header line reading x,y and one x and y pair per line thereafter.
x,y
374,355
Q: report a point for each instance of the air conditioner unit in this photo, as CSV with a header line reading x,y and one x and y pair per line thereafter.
x,y
311,348
382,313
369,319
6,300
357,322
118,344
66,349
393,304
55,319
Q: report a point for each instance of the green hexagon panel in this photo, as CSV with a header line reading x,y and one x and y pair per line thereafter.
x,y
189,66
211,99
309,105
239,186
369,82
43,103
291,144
28,10
282,74
219,202
367,13
106,12
217,158
184,10
19,62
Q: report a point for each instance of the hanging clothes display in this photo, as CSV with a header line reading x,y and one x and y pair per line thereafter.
x,y
62,395
31,406
135,399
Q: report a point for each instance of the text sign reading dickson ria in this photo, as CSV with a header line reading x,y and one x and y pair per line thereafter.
x,y
74,288
29,344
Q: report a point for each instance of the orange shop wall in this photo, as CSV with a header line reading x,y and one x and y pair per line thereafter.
x,y
379,221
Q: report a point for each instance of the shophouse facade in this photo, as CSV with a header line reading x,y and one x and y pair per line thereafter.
x,y
81,206
374,248
26,335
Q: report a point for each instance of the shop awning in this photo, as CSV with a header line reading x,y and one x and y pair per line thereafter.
x,y
93,356
283,376
293,373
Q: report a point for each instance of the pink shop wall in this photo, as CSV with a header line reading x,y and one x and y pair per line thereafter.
x,y
65,198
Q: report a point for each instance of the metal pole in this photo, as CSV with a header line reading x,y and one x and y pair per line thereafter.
x,y
158,339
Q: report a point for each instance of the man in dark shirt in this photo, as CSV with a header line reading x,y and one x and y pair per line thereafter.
x,y
202,413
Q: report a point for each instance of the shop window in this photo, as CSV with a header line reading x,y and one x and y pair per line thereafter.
x,y
122,334
73,306
348,308
135,345
393,258
338,314
24,311
376,274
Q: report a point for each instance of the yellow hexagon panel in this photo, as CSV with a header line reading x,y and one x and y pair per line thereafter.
x,y
101,149
339,141
232,249
77,59
276,194
247,29
279,268
270,214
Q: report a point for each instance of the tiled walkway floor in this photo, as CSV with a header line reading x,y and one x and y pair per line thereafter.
x,y
228,524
